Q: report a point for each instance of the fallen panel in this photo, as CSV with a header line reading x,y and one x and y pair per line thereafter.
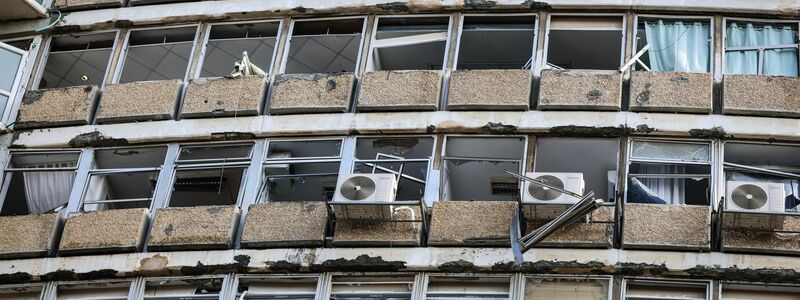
x,y
107,231
192,228
580,90
660,226
311,93
400,90
489,90
471,223
763,241
672,92
70,5
581,235
285,225
224,97
761,95
380,234
27,236
138,101
56,107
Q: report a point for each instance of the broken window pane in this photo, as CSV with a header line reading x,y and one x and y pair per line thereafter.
x,y
304,149
596,159
576,42
104,291
671,151
372,287
158,54
289,287
197,187
190,288
447,287
656,183
409,44
226,44
781,158
474,168
123,178
77,60
410,155
675,44
215,152
326,46
504,42
21,292
300,181
668,290
566,288
39,182
23,44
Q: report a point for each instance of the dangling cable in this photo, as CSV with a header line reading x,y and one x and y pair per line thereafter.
x,y
53,23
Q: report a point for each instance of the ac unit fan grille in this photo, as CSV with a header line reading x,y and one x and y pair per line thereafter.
x,y
542,193
748,196
357,188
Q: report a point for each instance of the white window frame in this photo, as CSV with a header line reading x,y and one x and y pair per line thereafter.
x,y
543,64
373,45
290,34
512,286
53,293
608,280
44,288
756,285
138,291
206,37
286,277
709,19
725,50
340,159
21,80
46,55
8,170
428,178
677,282
531,64
123,56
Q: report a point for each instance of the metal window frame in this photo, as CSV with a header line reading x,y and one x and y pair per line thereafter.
x,y
290,35
11,111
123,56
237,277
182,146
53,294
6,177
141,289
677,282
244,166
607,279
44,287
206,37
535,37
760,56
259,198
373,37
16,83
512,278
39,73
325,288
712,40
542,65
354,161
721,284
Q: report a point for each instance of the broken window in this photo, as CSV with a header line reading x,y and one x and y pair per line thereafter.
x,y
546,288
210,175
158,54
735,291
301,170
21,292
94,290
12,61
764,48
468,287
324,46
669,173
665,290
672,44
768,157
405,157
183,289
372,287
123,178
77,60
474,168
294,287
504,42
583,42
227,42
38,182
410,43
595,159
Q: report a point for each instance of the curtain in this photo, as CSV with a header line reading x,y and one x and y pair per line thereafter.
x,y
98,190
45,191
678,47
777,62
670,189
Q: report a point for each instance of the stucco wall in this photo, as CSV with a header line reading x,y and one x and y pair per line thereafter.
x,y
400,90
27,236
489,89
73,103
311,93
471,223
198,227
659,226
671,92
224,96
285,224
761,95
136,101
580,89
114,230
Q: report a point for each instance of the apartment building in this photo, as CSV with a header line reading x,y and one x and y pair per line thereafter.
x,y
350,149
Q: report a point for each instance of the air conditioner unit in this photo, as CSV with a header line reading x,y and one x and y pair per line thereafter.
x,y
550,203
364,188
756,197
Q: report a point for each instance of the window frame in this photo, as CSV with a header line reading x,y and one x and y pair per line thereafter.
x,y
53,295
512,286
262,194
39,73
17,83
724,29
531,64
224,289
43,288
607,279
206,37
374,31
327,281
712,48
290,35
542,65
722,284
123,55
318,277
430,161
6,179
677,282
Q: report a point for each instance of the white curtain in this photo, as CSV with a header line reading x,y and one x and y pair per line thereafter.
x,y
777,62
671,190
45,191
678,47
98,190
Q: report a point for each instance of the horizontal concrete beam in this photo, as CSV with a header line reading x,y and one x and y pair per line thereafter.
x,y
564,123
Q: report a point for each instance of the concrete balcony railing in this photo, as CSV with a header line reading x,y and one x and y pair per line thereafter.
x,y
224,97
311,93
580,90
107,231
661,226
28,236
489,90
761,240
402,231
70,5
285,224
759,95
471,223
74,107
581,235
400,90
672,92
190,228
139,101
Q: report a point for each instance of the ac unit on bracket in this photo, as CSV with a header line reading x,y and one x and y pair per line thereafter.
x,y
543,203
354,189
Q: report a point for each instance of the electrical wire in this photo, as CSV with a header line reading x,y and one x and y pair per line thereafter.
x,y
53,23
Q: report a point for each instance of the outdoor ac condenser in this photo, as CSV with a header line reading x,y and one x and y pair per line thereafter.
x,y
755,197
357,188
550,203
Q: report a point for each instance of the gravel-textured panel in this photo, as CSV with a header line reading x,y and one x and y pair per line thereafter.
x,y
580,89
27,236
471,223
489,89
73,105
400,90
761,241
311,93
761,95
143,100
671,92
114,230
658,226
199,227
371,233
285,224
584,235
86,4
224,96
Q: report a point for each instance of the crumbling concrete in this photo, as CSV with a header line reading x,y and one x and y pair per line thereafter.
x,y
73,103
671,227
138,101
489,90
764,241
400,90
189,228
761,95
580,90
471,223
224,96
107,231
27,236
403,232
581,235
285,224
672,92
70,5
311,93
148,2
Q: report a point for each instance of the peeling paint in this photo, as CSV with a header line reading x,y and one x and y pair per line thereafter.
x,y
232,136
498,128
708,133
479,3
15,278
460,266
240,266
573,130
362,263
284,266
394,6
95,139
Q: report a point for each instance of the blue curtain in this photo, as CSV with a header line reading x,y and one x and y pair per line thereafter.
x,y
678,47
778,62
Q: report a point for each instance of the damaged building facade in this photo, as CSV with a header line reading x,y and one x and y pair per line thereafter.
x,y
350,149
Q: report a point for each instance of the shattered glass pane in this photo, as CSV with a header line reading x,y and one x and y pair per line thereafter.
x,y
671,151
